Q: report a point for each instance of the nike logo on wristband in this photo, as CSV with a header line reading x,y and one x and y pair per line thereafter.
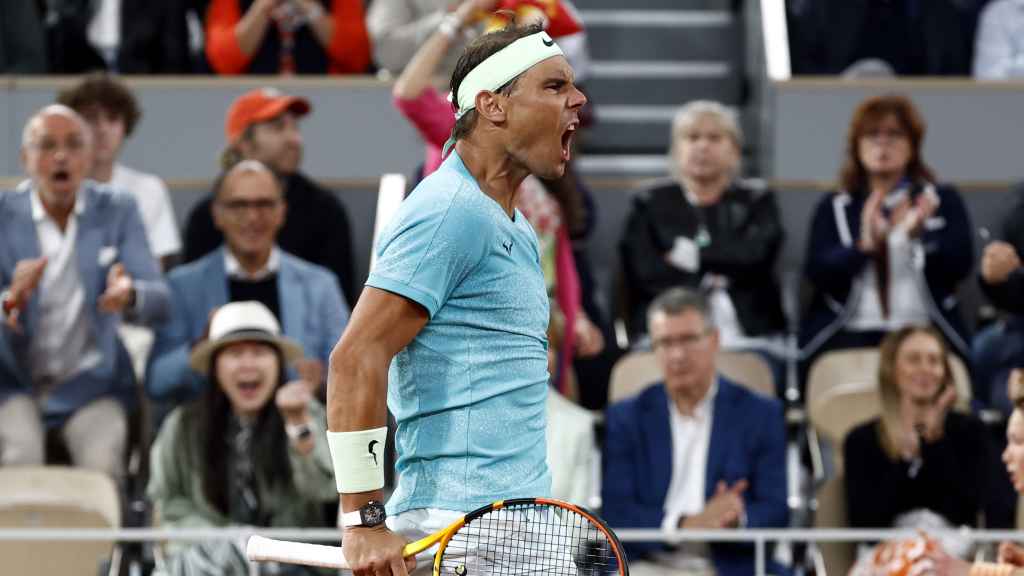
x,y
372,453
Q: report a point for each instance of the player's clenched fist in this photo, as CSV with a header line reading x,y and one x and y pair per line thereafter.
x,y
376,551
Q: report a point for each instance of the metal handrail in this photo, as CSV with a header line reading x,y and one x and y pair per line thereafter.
x,y
759,537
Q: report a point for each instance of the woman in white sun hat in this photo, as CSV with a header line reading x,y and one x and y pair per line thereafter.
x,y
249,452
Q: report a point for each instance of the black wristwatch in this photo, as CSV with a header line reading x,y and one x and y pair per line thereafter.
x,y
369,515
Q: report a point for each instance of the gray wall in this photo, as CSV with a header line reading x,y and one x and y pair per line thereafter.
x,y
353,131
975,130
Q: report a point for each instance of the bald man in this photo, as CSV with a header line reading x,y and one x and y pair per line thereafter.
x,y
249,210
74,263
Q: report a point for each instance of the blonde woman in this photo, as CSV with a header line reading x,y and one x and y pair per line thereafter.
x,y
919,455
707,229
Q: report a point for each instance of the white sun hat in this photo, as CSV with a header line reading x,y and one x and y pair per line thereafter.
x,y
249,321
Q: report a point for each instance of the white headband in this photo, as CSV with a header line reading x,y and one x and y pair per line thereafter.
x,y
502,66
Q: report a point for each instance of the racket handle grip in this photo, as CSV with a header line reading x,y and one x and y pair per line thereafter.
x,y
261,549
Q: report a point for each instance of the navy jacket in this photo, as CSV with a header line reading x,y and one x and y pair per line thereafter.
x,y
748,441
833,262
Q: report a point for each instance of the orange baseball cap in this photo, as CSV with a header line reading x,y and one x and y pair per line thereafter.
x,y
260,105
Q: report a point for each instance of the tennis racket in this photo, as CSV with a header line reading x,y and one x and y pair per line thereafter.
x,y
519,536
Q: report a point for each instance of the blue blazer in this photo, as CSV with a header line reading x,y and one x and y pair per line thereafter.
x,y
748,441
313,313
110,230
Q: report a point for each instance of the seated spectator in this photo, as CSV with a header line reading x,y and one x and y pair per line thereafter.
x,y
23,49
129,36
112,111
250,452
250,210
999,347
433,117
708,230
287,37
263,125
695,451
999,48
1011,555
919,452
915,37
73,265
891,246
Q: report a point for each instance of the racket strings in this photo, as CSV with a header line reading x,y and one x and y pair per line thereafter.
x,y
529,539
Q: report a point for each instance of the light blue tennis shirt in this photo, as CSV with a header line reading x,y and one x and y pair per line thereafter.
x,y
469,391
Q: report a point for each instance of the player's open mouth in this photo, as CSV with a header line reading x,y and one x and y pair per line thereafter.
x,y
567,137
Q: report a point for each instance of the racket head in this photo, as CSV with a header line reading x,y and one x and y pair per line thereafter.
x,y
530,536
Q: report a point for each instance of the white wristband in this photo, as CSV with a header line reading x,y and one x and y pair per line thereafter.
x,y
358,458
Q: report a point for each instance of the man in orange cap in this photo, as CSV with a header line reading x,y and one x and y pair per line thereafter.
x,y
263,125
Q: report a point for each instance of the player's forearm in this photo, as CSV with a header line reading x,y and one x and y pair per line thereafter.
x,y
357,382
356,400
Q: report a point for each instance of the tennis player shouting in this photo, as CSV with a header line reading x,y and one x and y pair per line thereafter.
x,y
457,309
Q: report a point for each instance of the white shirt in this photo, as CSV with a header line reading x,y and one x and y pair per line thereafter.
x,y
154,203
104,30
999,44
906,303
691,438
63,343
234,269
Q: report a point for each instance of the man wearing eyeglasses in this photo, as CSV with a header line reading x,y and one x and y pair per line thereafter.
x,y
694,451
74,263
249,209
264,125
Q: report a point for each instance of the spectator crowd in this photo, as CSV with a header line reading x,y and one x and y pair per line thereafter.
x,y
223,328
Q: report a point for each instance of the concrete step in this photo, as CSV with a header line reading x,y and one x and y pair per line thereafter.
x,y
612,90
617,39
664,43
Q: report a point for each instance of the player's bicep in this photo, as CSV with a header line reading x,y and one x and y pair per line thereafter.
x,y
384,322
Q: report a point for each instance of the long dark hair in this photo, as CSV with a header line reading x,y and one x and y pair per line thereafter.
x,y
206,427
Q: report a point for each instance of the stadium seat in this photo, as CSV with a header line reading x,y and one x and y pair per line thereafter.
x,y
637,370
56,497
860,366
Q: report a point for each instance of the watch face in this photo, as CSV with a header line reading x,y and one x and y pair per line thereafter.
x,y
373,514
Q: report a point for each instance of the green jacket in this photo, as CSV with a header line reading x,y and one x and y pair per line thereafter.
x,y
176,490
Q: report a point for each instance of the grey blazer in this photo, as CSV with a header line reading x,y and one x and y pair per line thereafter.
x,y
110,230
